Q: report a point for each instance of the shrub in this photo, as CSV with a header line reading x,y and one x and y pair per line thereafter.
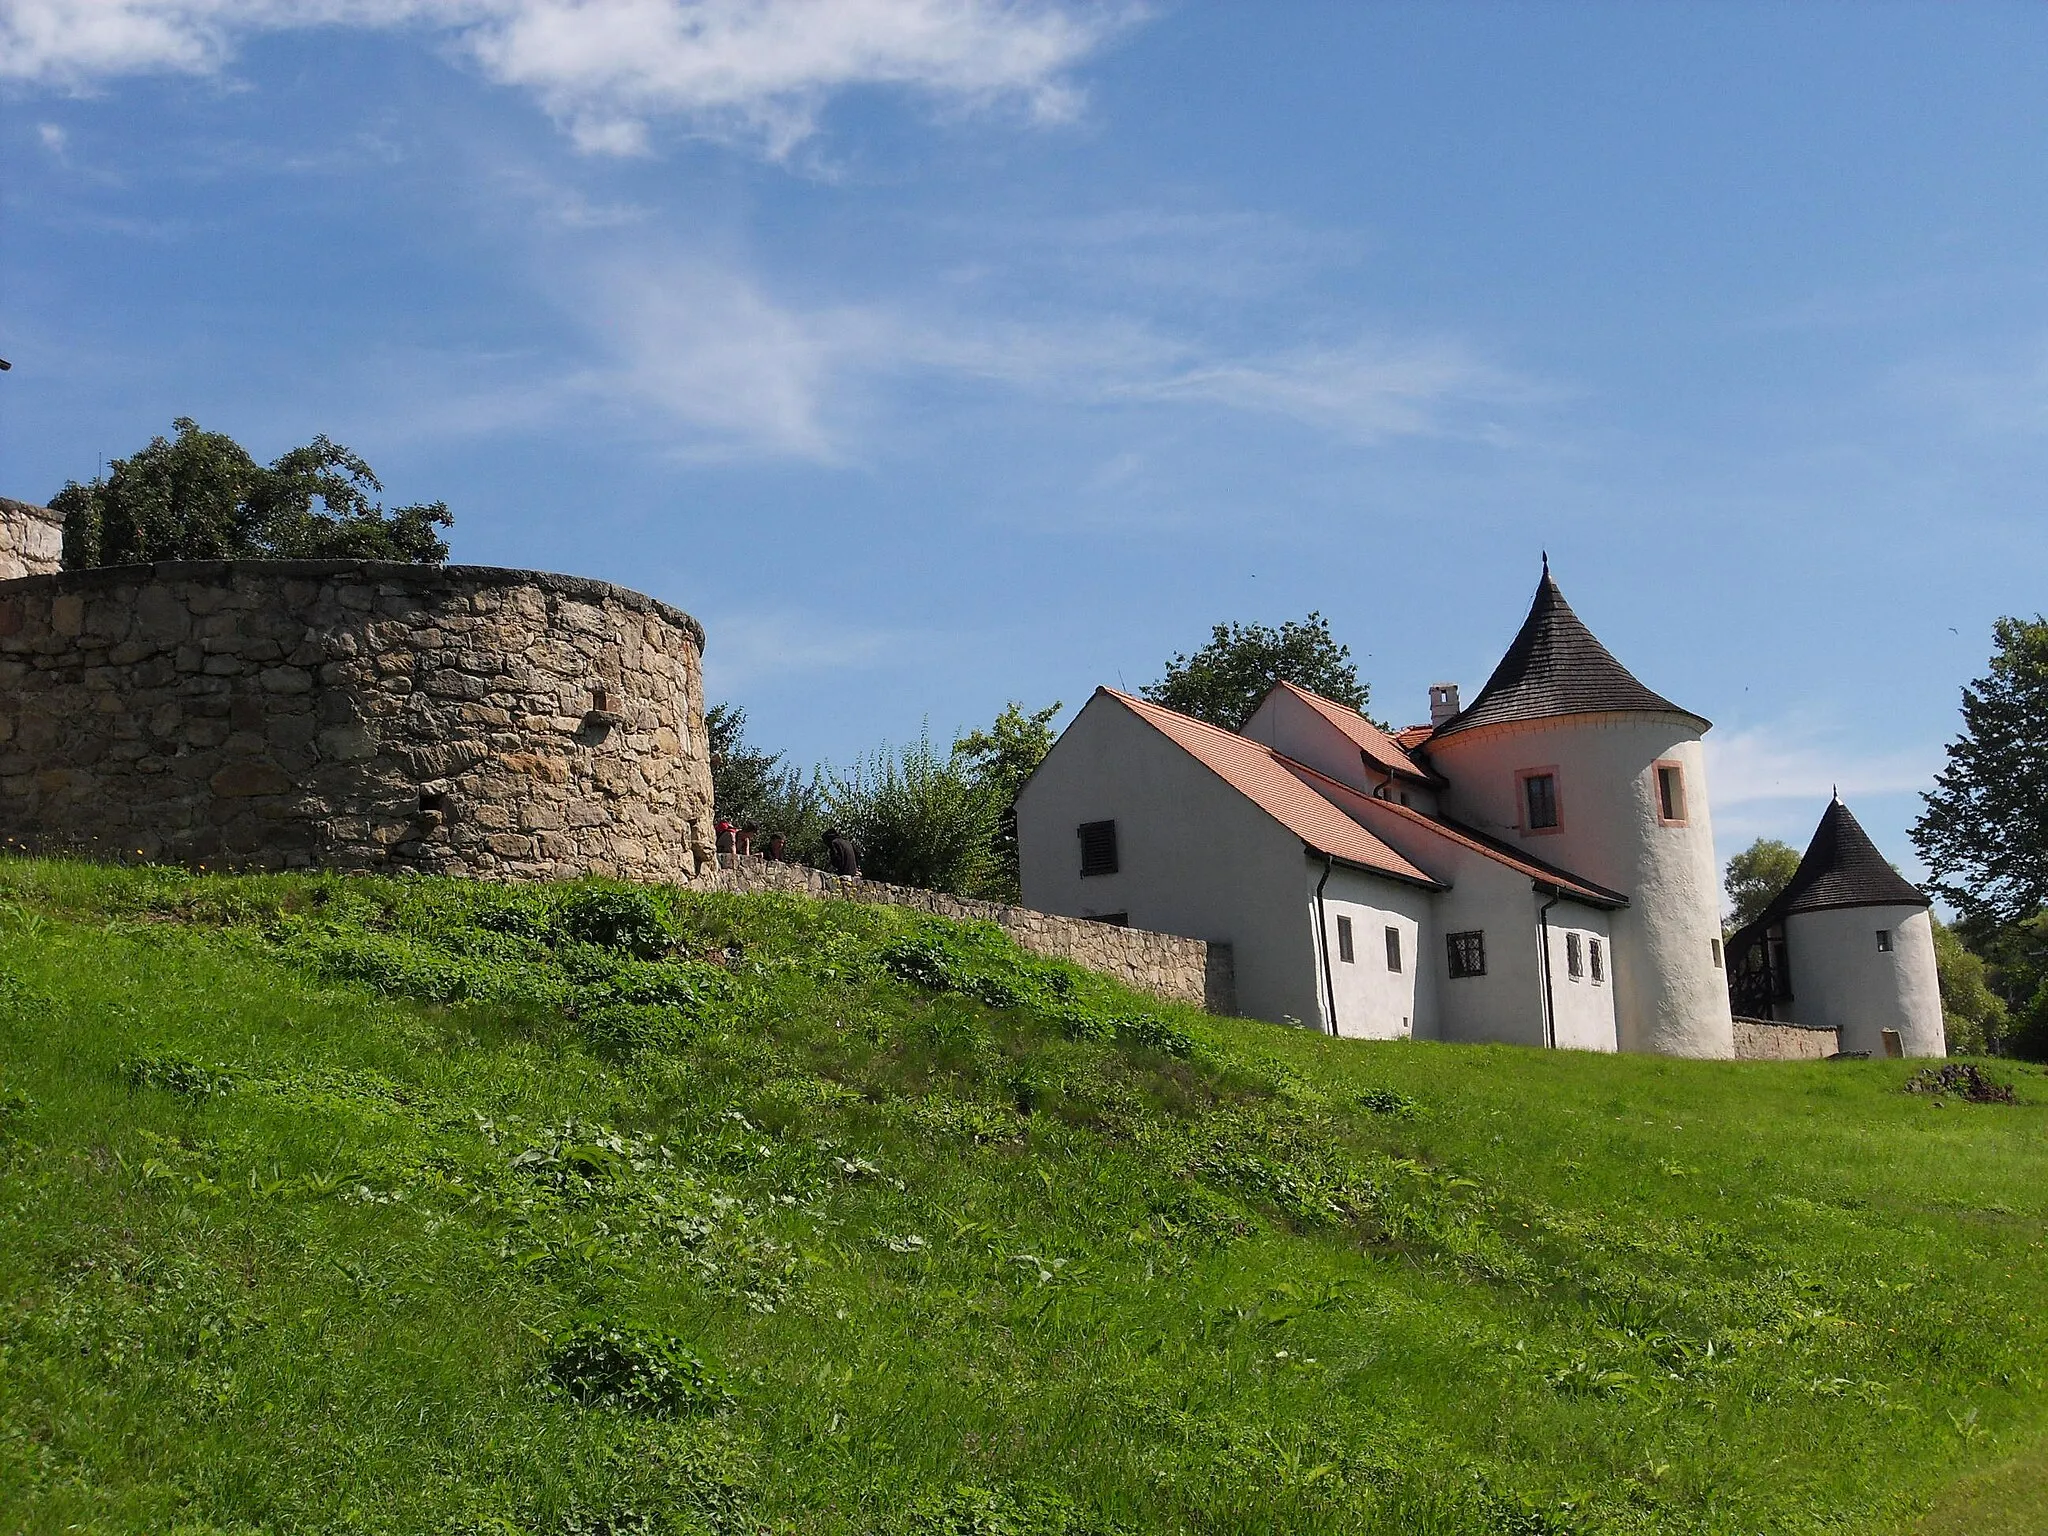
x,y
1386,1101
633,1369
616,918
176,1074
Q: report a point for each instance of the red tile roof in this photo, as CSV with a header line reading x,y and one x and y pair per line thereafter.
x,y
1273,783
1385,751
1409,737
1463,836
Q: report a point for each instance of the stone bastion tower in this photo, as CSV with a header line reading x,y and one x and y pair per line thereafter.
x,y
365,715
1565,754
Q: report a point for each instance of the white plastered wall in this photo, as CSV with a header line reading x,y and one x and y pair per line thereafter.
x,y
1841,978
1374,1001
1195,857
1669,995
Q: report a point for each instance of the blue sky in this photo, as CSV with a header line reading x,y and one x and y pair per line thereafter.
x,y
936,353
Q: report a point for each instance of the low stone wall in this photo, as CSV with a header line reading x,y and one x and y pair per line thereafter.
x,y
1767,1040
31,540
458,720
1180,970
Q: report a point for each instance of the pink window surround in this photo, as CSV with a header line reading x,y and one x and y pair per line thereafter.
x,y
1522,778
1657,771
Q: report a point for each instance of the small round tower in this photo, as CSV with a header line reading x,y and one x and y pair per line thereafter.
x,y
1566,756
1849,943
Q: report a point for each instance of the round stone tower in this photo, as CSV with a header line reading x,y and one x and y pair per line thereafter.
x,y
1568,758
1849,943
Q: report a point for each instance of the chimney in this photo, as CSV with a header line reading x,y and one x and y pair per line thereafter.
x,y
1443,702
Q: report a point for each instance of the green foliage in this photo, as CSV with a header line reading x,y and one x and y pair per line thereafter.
x,y
752,788
1973,1015
202,497
618,918
1984,832
1224,681
635,1369
1756,876
345,1203
918,819
998,761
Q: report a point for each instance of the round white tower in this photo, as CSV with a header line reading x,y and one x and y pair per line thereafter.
x,y
1567,757
1849,943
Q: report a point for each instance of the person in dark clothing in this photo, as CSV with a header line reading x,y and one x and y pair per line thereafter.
x,y
777,846
725,843
845,860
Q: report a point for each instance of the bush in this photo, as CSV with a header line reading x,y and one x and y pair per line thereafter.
x,y
633,1369
919,819
617,918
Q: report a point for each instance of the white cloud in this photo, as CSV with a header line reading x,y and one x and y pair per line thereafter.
x,y
1796,761
53,138
749,646
758,71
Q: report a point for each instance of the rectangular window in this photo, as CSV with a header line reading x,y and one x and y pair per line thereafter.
x,y
1344,940
1715,946
1574,957
1098,847
1671,794
1539,801
1599,961
1467,953
1884,940
1393,949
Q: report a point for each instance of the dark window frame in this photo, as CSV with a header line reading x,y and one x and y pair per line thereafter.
x,y
1574,957
1669,779
1098,847
1540,817
1393,949
1884,941
1596,955
1465,953
1345,950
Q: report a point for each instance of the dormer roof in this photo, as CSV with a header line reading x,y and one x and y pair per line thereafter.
x,y
1842,868
1556,667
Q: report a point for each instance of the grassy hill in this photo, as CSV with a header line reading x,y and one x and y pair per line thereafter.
x,y
339,1204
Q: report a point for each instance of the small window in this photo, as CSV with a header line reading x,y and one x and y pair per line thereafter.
x,y
1539,799
1098,847
1715,946
1393,949
1884,940
1467,953
1599,956
1344,951
1671,794
1574,957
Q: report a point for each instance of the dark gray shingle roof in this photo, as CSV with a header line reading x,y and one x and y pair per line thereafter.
x,y
1556,667
1842,868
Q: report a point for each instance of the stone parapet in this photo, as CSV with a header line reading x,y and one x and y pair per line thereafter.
x,y
460,720
1769,1040
1177,969
31,539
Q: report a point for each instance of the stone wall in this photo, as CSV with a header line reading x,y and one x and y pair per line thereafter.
x,y
1163,964
31,539
1766,1040
359,715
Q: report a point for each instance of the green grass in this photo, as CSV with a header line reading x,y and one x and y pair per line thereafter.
x,y
334,1204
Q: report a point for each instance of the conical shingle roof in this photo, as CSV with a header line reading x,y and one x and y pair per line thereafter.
x,y
1556,667
1842,868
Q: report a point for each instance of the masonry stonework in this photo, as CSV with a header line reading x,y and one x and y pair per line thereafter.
x,y
31,539
456,720
1767,1040
1180,970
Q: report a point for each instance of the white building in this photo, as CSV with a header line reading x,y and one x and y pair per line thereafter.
x,y
1848,944
1537,867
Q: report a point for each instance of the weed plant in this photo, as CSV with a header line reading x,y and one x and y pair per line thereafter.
x,y
342,1204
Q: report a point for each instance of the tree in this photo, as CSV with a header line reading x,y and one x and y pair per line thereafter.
x,y
202,497
998,761
918,819
1973,1015
754,788
1984,832
1224,681
1755,876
